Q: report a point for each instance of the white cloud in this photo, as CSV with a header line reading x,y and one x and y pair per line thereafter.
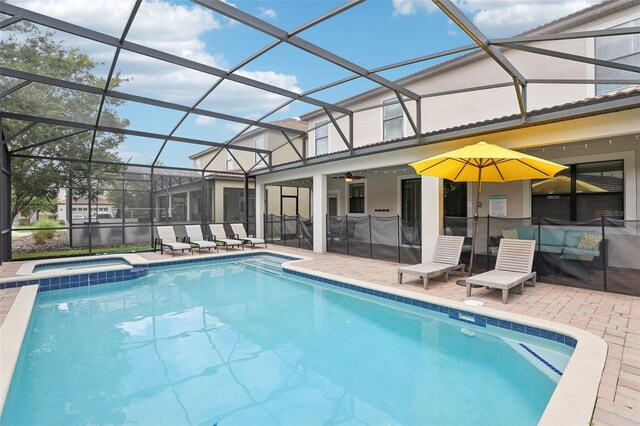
x,y
410,7
178,29
498,18
204,120
505,18
267,13
135,157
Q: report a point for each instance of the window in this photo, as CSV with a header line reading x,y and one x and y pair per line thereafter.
x,y
322,138
392,125
624,49
356,198
259,144
582,192
229,162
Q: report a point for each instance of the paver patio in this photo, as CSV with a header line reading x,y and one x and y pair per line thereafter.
x,y
614,317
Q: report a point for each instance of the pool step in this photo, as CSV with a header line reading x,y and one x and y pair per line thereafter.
x,y
262,267
551,363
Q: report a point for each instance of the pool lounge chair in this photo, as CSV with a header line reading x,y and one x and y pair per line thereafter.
x,y
240,234
220,235
513,268
167,240
194,236
446,258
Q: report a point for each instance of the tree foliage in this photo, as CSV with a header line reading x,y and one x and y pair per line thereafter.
x,y
49,167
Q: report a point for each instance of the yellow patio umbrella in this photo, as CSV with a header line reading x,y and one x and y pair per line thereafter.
x,y
483,162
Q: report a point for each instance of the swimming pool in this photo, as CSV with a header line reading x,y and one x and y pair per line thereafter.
x,y
238,341
78,264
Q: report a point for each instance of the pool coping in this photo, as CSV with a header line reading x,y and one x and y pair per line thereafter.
x,y
12,332
572,401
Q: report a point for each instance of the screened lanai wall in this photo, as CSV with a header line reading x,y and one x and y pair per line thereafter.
x,y
115,208
92,123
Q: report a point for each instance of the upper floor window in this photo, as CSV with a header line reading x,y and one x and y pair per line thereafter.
x,y
259,144
229,161
623,49
392,120
582,192
322,138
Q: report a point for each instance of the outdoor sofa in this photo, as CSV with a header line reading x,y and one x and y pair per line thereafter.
x,y
568,251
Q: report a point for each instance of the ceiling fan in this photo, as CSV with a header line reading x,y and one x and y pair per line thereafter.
x,y
348,177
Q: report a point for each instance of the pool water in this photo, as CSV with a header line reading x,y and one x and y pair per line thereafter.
x,y
239,342
79,264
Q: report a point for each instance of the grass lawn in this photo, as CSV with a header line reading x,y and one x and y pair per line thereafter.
x,y
78,252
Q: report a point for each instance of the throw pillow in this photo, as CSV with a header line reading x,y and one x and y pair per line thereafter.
x,y
589,241
510,234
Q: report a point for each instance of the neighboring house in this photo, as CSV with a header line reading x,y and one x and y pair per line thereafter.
x,y
238,161
80,209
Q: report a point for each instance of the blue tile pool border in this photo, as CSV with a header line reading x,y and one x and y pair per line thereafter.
x,y
219,259
456,314
137,271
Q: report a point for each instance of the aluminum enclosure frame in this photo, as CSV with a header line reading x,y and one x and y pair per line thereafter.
x,y
492,48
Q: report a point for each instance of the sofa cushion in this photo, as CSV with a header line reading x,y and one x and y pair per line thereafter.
x,y
589,241
552,236
551,249
572,238
527,232
510,234
576,252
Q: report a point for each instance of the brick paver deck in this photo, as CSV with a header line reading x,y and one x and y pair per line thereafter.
x,y
614,317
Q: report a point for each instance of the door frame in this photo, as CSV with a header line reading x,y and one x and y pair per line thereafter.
x,y
399,192
334,193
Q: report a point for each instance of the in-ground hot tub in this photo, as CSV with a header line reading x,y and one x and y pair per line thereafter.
x,y
79,264
50,268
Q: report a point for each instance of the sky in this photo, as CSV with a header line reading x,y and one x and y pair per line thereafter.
x,y
372,34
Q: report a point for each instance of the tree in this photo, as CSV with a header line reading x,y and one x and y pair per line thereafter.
x,y
38,204
40,172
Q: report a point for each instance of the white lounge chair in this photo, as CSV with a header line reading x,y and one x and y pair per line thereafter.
x,y
194,233
446,258
167,239
220,235
240,234
513,268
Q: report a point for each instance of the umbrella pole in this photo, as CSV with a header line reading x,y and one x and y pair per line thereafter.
x,y
475,222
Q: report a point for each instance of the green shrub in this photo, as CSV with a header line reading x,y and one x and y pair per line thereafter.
x,y
42,235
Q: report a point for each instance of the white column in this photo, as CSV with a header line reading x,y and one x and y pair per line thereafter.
x,y
188,205
260,209
319,213
432,199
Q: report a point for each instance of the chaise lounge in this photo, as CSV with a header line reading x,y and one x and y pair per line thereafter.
x,y
167,240
240,234
220,235
513,268
446,258
194,236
